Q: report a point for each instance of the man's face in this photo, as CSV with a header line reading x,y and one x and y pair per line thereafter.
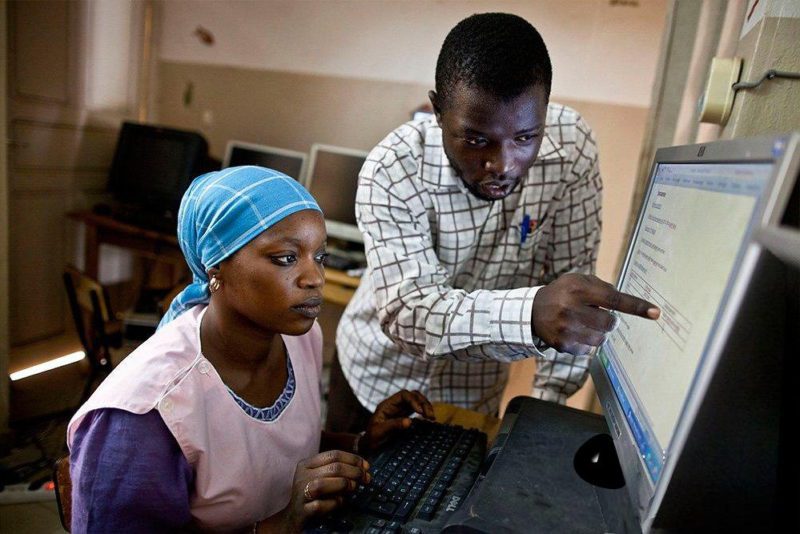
x,y
492,143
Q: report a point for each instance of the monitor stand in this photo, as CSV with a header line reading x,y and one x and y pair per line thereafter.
x,y
597,463
539,476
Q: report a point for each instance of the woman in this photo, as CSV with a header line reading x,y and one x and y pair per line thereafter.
x,y
214,422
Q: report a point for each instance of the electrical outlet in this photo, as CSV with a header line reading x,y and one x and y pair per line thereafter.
x,y
716,101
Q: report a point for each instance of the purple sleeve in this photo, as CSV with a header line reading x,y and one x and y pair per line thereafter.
x,y
128,474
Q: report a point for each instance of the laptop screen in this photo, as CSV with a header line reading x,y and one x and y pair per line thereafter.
x,y
689,238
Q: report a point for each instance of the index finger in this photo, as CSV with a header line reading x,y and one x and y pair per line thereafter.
x,y
607,296
404,403
422,405
329,457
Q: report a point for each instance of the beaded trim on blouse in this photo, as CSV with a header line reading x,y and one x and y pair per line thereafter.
x,y
270,413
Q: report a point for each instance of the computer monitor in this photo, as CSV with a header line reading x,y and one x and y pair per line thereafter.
x,y
333,181
289,162
153,165
666,386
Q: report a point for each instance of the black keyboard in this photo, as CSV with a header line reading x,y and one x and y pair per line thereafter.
x,y
417,483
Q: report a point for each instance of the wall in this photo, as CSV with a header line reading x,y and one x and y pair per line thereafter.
x,y
772,43
399,40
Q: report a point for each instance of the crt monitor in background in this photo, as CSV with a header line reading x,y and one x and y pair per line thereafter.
x,y
333,180
690,250
288,162
153,166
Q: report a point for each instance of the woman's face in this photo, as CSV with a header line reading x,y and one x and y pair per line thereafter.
x,y
275,282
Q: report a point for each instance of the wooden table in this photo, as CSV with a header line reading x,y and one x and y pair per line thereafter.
x,y
99,229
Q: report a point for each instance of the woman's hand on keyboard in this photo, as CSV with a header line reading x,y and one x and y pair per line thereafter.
x,y
319,487
391,416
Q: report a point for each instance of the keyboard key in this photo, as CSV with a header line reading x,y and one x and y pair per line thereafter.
x,y
404,510
412,479
383,509
339,524
426,512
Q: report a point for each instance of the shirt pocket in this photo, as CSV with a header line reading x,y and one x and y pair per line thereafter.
x,y
522,262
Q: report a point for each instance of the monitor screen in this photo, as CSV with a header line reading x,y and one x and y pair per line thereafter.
x,y
693,399
153,166
333,181
288,162
690,236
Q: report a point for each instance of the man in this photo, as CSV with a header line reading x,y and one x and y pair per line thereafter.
x,y
479,253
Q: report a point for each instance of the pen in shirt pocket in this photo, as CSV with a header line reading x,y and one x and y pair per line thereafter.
x,y
527,227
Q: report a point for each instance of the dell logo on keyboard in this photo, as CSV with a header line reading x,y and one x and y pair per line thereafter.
x,y
453,504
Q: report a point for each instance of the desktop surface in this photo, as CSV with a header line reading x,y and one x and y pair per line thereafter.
x,y
529,482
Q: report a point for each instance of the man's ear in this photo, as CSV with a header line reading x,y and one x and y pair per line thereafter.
x,y
437,110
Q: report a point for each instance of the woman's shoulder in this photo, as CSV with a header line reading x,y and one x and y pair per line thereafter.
x,y
142,378
168,351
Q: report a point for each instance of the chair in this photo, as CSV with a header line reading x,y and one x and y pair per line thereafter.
x,y
63,487
98,329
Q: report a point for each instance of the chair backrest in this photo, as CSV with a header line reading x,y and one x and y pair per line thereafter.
x,y
97,327
63,486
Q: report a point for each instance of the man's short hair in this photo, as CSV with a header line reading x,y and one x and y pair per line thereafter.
x,y
500,53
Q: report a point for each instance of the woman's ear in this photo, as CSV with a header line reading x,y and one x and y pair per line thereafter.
x,y
213,272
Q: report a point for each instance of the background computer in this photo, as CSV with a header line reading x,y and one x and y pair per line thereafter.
x,y
151,169
333,180
701,405
289,162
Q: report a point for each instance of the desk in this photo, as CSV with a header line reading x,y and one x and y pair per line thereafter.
x,y
99,229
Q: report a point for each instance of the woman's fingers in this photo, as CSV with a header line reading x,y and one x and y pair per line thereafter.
x,y
421,404
322,488
319,507
404,403
335,457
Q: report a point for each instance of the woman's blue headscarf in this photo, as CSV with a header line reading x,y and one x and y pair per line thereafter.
x,y
221,212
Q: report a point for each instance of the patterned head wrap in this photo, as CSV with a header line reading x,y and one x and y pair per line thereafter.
x,y
221,212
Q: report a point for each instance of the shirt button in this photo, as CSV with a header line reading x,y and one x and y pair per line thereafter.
x,y
203,367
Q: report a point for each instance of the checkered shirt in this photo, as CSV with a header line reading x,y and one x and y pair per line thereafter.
x,y
445,303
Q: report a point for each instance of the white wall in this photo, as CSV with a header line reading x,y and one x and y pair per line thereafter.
x,y
611,60
108,53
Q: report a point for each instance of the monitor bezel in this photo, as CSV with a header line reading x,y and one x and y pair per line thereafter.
x,y
783,153
267,149
335,229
